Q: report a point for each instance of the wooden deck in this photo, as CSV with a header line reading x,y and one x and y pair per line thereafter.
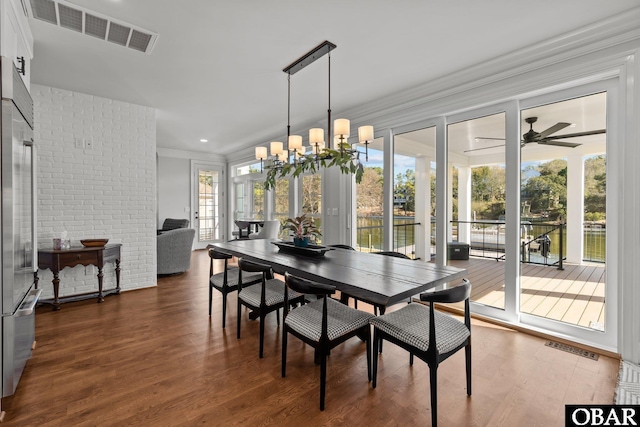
x,y
574,295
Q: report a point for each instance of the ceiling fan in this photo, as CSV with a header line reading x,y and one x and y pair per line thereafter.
x,y
544,137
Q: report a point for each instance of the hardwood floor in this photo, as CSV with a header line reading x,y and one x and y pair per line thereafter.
x,y
154,357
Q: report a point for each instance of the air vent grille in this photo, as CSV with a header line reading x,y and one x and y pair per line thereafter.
x,y
139,41
118,34
70,16
44,10
95,26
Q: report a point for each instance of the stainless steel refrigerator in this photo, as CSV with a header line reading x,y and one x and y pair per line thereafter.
x,y
17,211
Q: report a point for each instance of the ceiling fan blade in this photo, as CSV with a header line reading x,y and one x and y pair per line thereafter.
x,y
483,148
558,143
553,129
479,138
577,134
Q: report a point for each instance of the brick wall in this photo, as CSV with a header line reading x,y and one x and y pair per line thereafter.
x,y
96,169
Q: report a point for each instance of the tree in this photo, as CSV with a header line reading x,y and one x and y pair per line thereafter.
x,y
548,191
405,187
595,186
369,200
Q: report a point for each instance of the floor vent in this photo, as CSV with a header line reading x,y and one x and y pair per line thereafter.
x,y
574,350
76,18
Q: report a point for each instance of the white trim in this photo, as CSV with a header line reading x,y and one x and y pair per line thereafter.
x,y
182,154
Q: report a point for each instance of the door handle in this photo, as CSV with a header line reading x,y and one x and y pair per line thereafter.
x,y
27,307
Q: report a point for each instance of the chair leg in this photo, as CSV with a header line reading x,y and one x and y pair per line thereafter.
x,y
368,344
433,374
262,316
467,356
410,359
239,315
278,316
374,357
323,378
210,297
284,352
224,309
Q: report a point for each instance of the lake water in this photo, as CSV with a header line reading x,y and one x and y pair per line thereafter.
x,y
369,237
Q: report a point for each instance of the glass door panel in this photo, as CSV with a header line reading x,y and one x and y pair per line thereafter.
x,y
476,172
312,198
414,193
563,192
369,200
208,210
281,206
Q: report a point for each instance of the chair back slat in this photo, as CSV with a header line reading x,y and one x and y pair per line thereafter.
x,y
218,255
450,295
305,286
252,266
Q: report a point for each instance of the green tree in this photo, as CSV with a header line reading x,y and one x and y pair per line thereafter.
x,y
405,188
548,191
595,185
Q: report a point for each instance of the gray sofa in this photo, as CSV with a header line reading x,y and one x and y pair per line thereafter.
x,y
174,250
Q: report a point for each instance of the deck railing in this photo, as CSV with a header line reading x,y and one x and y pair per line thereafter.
x,y
369,238
541,243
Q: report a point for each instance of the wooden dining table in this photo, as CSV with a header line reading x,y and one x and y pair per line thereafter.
x,y
376,279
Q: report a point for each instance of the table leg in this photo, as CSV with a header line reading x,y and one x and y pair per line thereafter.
x,y
56,288
117,276
100,276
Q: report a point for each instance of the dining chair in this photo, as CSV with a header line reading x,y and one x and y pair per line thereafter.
x,y
269,230
263,299
322,324
226,281
342,246
430,335
393,254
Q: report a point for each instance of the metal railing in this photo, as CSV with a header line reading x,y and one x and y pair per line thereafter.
x,y
369,238
540,243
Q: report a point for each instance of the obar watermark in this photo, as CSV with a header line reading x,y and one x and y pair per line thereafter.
x,y
602,415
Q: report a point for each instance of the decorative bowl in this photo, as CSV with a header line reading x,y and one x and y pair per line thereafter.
x,y
93,242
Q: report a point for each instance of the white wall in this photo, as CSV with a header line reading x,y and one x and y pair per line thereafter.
x,y
174,187
105,190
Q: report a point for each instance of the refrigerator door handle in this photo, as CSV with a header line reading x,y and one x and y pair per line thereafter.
x,y
27,306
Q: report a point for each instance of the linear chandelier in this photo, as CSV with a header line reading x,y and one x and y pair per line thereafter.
x,y
293,160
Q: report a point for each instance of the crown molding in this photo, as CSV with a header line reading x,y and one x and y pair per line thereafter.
x,y
615,32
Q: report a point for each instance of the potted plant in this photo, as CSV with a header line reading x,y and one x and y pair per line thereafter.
x,y
303,228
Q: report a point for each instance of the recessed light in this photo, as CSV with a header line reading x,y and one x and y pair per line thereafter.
x,y
204,140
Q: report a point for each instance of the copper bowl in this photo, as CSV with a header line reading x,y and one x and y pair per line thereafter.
x,y
90,243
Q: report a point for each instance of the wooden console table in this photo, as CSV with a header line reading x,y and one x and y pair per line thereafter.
x,y
57,260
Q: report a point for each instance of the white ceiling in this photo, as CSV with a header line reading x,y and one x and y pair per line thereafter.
x,y
216,69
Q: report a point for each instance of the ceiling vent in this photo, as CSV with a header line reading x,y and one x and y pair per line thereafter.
x,y
76,18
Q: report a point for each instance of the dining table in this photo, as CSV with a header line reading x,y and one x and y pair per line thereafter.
x,y
378,280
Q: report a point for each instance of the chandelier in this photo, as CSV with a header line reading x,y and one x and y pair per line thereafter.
x,y
293,159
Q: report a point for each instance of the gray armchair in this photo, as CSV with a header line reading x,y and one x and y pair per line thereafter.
x,y
174,250
172,224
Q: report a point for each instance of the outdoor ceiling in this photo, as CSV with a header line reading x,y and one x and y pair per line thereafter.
x,y
467,143
215,71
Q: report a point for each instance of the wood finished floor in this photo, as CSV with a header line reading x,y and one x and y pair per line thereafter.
x,y
154,357
573,295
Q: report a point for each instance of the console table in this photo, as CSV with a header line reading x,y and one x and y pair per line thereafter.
x,y
57,260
